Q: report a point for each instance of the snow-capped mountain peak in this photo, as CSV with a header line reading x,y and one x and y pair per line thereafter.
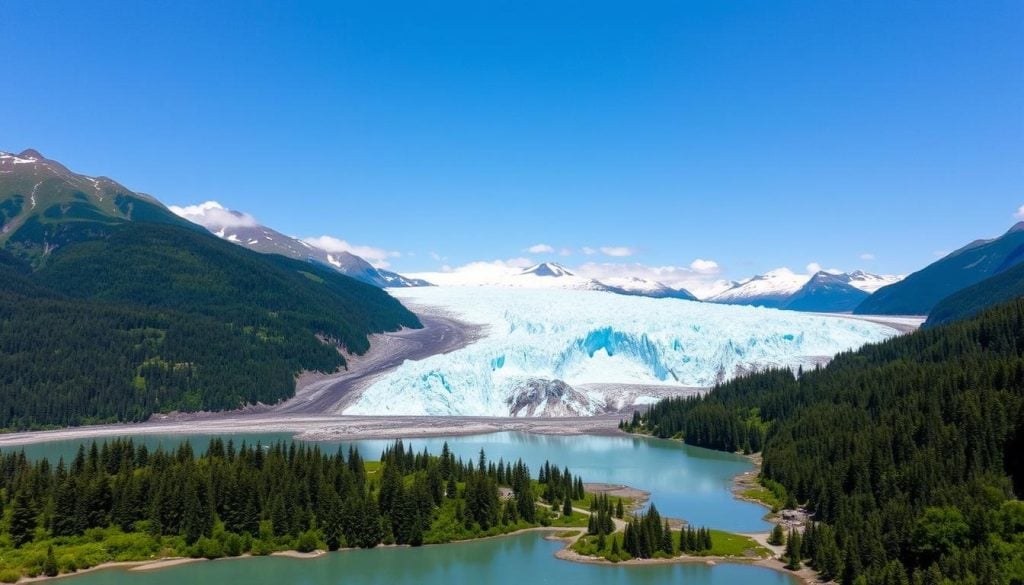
x,y
632,285
770,289
549,269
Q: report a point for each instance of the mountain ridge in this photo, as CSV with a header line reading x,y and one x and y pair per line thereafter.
x,y
241,229
919,292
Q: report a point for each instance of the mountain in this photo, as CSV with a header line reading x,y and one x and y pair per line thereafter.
x,y
642,287
1003,287
918,293
548,269
771,289
553,275
116,312
242,229
44,206
826,293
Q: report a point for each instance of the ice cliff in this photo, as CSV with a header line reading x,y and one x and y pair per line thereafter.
x,y
537,337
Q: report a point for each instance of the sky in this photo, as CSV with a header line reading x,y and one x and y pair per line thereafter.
x,y
699,140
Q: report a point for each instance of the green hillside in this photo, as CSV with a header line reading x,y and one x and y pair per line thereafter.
x,y
44,206
974,299
112,308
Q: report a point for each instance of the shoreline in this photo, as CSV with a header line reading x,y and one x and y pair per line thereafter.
x,y
330,428
552,533
804,575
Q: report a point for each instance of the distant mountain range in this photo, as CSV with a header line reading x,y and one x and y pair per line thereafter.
x,y
238,228
554,275
819,292
918,293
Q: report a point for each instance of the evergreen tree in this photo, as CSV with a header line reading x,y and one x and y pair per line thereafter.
x,y
777,537
667,545
23,519
50,568
793,551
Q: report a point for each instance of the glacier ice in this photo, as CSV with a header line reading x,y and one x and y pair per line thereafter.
x,y
590,337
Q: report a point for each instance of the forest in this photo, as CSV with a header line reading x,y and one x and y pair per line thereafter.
x,y
907,452
119,501
156,318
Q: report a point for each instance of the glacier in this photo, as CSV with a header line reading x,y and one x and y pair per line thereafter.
x,y
538,338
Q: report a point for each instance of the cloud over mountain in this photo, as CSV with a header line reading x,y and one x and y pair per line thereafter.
x,y
213,215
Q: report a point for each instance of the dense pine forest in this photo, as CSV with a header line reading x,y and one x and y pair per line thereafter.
x,y
119,501
154,318
908,452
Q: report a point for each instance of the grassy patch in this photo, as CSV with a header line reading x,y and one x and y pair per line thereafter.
x,y
727,544
577,520
447,527
763,495
588,547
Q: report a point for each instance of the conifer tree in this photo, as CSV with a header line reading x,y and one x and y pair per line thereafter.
x,y
23,518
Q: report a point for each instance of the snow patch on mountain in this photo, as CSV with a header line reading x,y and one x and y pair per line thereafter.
x,y
588,339
868,282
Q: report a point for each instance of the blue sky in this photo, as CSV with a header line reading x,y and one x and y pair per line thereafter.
x,y
750,134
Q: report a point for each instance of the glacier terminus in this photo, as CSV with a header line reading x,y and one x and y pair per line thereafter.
x,y
581,352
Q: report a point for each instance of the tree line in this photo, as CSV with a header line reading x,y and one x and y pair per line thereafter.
x,y
254,498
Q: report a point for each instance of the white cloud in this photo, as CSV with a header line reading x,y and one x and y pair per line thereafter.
x,y
1019,214
376,256
703,266
475,273
588,250
617,251
565,252
814,268
867,256
540,249
214,216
